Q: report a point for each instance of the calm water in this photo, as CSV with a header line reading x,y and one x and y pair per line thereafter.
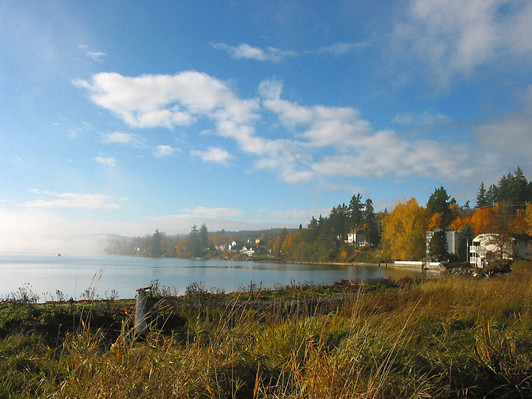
x,y
44,274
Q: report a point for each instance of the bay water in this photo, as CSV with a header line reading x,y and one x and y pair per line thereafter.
x,y
53,277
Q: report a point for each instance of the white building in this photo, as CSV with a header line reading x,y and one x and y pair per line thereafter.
x,y
484,247
357,237
248,251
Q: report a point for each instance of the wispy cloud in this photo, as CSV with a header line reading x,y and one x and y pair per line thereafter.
x,y
245,51
121,138
213,154
426,118
272,54
71,200
507,139
341,48
93,55
136,141
214,212
453,38
107,161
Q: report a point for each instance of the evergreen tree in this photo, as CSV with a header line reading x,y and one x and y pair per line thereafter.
x,y
203,237
504,192
194,242
492,195
440,202
438,245
337,221
372,231
519,188
355,211
482,196
465,237
156,250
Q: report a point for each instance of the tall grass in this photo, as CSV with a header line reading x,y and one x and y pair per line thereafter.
x,y
447,337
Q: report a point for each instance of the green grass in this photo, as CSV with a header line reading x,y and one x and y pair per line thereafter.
x,y
450,337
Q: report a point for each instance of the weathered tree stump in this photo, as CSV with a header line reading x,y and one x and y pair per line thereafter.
x,y
141,311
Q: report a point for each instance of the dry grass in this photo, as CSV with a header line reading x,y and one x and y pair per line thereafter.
x,y
448,337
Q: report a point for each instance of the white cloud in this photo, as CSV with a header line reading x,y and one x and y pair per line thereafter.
x,y
162,151
120,138
245,51
71,200
508,138
213,154
107,161
329,141
168,100
455,37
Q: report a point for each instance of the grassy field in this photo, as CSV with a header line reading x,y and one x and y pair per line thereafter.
x,y
449,337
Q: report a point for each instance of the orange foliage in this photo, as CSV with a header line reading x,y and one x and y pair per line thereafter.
x,y
435,221
289,242
483,220
518,224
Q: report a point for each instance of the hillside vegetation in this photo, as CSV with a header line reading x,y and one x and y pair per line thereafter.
x,y
447,337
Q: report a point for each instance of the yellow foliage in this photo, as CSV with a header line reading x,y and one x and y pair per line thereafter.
x,y
404,230
528,217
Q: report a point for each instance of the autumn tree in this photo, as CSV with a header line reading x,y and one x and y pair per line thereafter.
x,y
183,249
404,228
435,221
289,243
528,218
482,220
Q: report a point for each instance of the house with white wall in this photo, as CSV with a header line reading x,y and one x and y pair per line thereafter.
x,y
357,238
248,251
485,247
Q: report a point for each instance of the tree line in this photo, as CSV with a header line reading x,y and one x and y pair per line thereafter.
x,y
504,208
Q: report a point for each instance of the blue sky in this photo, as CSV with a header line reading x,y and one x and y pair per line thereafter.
x,y
120,117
